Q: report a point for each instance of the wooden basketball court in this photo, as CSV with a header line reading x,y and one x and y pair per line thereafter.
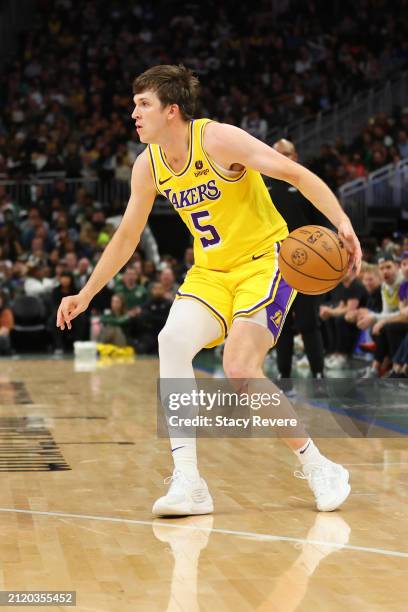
x,y
81,466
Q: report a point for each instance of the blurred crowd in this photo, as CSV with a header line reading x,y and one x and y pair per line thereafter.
x,y
49,249
65,100
383,141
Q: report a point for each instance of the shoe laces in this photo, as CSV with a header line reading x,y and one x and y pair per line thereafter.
x,y
318,478
176,475
177,480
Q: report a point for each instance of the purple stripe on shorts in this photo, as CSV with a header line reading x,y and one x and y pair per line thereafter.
x,y
276,311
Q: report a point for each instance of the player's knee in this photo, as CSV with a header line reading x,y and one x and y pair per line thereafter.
x,y
237,369
171,340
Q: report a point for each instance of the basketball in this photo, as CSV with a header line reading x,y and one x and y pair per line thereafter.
x,y
313,260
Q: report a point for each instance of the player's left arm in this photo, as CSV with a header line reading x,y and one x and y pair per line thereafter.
x,y
229,145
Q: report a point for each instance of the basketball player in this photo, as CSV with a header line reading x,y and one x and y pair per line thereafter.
x,y
211,174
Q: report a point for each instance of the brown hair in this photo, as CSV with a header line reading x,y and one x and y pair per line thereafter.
x,y
172,85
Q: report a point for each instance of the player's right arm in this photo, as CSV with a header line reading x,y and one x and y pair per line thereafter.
x,y
122,245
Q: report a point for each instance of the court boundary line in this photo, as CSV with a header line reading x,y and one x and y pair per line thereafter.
x,y
242,534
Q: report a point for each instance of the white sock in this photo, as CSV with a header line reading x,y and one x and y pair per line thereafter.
x,y
189,328
309,453
185,456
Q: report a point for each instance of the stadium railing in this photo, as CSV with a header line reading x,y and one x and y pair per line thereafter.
x,y
386,188
344,120
23,191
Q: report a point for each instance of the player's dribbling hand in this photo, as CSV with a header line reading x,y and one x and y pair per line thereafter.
x,y
352,244
70,307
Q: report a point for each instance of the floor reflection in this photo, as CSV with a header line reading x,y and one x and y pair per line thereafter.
x,y
328,535
185,546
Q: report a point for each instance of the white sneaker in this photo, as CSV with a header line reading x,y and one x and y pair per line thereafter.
x,y
298,344
337,363
303,362
329,482
370,372
184,497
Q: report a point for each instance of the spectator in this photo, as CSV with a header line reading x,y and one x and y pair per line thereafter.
x,y
391,281
138,267
389,326
371,280
82,273
6,325
152,319
133,292
114,323
341,336
400,359
80,327
96,232
188,262
149,270
36,284
10,241
71,262
255,125
402,143
167,279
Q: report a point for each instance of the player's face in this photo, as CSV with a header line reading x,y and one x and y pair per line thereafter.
x,y
150,116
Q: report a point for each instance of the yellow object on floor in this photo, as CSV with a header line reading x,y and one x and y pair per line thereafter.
x,y
111,350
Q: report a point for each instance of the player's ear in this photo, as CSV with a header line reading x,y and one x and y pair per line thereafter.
x,y
173,111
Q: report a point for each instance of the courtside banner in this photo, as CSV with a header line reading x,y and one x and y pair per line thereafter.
x,y
288,408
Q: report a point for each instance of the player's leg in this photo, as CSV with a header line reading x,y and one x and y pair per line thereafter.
x,y
189,328
244,353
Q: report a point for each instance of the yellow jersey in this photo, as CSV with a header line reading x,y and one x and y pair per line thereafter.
x,y
231,215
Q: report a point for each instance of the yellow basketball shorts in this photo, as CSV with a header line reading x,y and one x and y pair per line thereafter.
x,y
241,292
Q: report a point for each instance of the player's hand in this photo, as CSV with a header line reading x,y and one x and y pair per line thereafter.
x,y
348,236
70,307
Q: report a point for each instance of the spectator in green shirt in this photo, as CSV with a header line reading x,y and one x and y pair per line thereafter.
x,y
114,323
134,293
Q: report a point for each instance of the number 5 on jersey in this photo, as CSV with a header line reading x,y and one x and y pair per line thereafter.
x,y
205,228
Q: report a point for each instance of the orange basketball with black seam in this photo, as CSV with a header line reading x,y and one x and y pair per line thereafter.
x,y
313,259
